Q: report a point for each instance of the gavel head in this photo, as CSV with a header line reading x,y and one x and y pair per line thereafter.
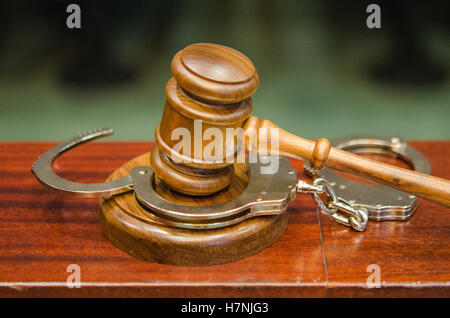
x,y
207,100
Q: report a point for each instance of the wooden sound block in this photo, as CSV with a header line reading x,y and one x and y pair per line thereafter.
x,y
129,227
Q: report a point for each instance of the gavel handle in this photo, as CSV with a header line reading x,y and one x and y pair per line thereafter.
x,y
322,155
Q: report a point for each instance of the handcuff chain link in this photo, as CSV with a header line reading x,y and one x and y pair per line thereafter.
x,y
340,211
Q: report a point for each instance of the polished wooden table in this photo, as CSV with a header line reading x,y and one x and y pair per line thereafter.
x,y
41,234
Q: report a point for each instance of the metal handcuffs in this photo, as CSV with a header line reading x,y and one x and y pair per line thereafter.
x,y
382,203
265,194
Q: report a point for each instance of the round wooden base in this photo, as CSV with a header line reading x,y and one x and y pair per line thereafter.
x,y
129,227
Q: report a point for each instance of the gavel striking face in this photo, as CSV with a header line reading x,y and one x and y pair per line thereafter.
x,y
213,84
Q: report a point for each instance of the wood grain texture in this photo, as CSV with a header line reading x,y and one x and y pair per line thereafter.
x,y
132,229
188,180
180,111
425,186
41,234
208,95
226,77
215,73
414,253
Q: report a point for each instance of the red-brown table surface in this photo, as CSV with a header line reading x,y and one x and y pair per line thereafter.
x,y
42,233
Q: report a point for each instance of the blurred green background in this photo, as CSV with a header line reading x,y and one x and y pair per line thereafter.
x,y
323,72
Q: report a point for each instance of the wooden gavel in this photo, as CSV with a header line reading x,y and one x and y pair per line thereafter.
x,y
213,83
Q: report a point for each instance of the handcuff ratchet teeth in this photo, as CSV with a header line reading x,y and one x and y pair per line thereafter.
x,y
43,171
